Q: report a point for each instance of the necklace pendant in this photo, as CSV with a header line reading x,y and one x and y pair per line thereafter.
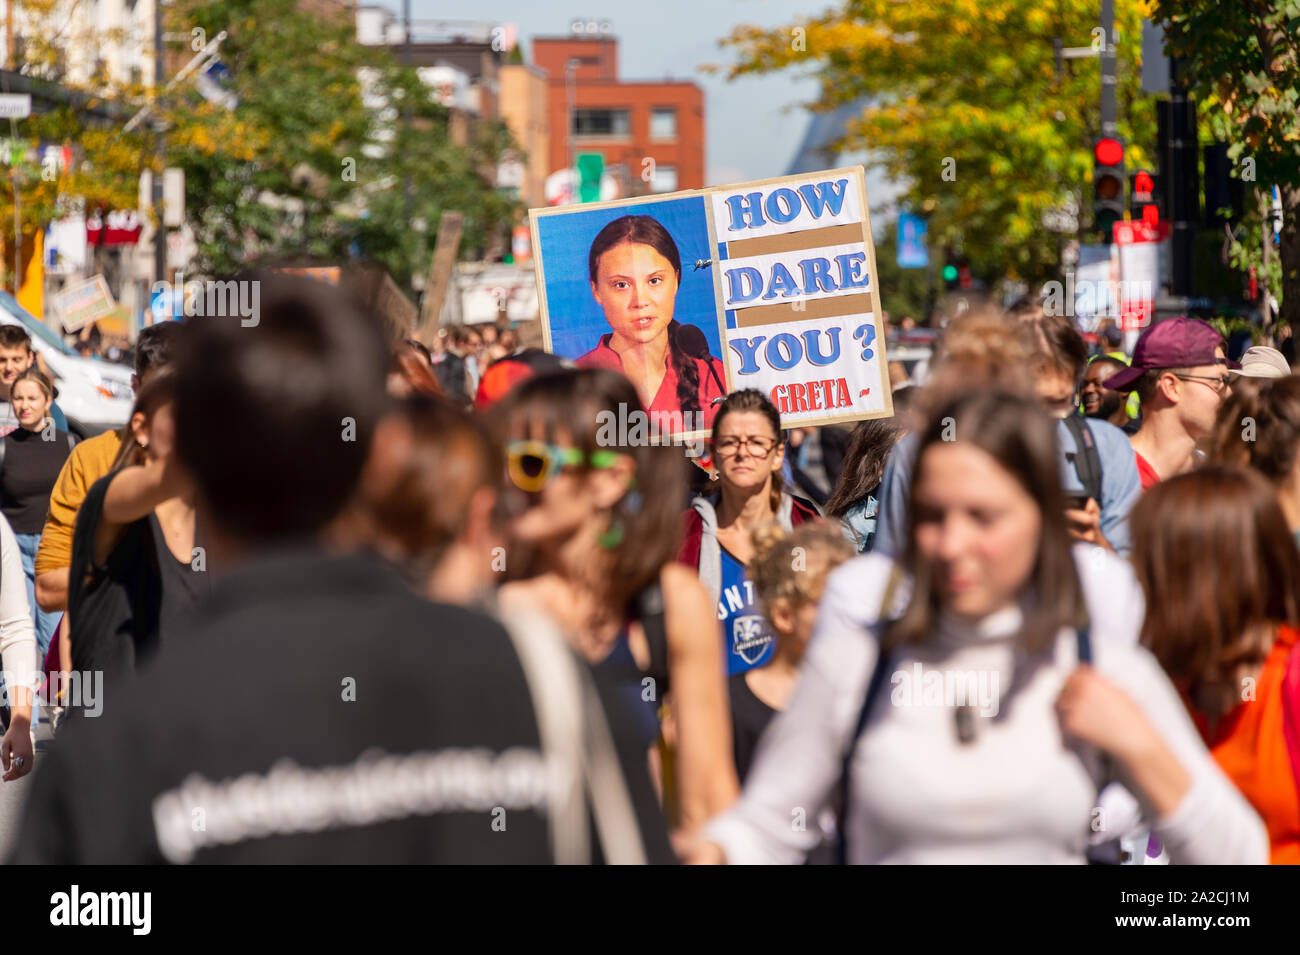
x,y
964,718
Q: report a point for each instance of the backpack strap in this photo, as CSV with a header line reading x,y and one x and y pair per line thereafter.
x,y
1086,460
578,745
874,685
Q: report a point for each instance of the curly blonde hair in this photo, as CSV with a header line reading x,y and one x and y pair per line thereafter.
x,y
794,565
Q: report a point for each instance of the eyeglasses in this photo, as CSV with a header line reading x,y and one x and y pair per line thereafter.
x,y
758,446
1224,381
531,464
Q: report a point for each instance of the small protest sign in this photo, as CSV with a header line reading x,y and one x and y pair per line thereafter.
x,y
79,305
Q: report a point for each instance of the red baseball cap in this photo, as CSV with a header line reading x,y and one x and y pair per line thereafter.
x,y
502,376
1174,343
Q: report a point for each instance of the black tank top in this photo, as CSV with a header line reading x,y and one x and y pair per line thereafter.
x,y
183,586
621,668
749,717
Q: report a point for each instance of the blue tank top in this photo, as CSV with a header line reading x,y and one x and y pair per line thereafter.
x,y
745,636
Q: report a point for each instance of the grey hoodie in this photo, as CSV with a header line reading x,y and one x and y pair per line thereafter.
x,y
711,550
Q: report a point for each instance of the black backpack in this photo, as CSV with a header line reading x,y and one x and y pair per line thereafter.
x,y
1086,460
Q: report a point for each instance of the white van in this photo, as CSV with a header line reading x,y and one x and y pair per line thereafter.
x,y
95,395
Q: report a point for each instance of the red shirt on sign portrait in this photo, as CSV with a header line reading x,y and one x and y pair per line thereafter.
x,y
665,400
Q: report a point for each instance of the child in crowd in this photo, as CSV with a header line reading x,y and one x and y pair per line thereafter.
x,y
789,570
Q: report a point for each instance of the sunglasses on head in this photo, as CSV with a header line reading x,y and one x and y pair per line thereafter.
x,y
533,463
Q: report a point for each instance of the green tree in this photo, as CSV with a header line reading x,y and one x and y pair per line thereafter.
x,y
1243,59
306,164
105,162
968,107
306,131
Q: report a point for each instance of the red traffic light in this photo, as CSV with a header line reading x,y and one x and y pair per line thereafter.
x,y
1109,152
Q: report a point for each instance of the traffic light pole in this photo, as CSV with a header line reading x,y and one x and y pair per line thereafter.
x,y
1109,128
1184,185
1108,151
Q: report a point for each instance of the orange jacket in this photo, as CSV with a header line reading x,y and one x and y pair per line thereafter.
x,y
1257,745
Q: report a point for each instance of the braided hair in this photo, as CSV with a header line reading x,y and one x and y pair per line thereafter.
x,y
647,230
688,372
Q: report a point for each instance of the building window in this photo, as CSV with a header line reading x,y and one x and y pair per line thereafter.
x,y
665,179
663,123
600,122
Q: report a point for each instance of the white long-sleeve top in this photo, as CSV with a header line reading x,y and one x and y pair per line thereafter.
x,y
17,634
1019,793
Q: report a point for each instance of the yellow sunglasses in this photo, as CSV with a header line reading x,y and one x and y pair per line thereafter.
x,y
531,464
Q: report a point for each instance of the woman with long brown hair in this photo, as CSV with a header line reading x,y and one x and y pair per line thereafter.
x,y
138,565
593,525
971,701
1222,581
430,495
855,499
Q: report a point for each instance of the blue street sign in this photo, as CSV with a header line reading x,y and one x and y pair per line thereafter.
x,y
912,250
165,305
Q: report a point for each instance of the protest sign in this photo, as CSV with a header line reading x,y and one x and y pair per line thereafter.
x,y
1140,273
1095,288
768,285
85,302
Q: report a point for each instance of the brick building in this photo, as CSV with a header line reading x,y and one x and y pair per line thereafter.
x,y
627,122
523,109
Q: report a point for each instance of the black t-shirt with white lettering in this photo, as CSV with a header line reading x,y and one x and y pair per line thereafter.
x,y
317,711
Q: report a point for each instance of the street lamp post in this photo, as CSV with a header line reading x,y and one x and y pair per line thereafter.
x,y
160,233
406,59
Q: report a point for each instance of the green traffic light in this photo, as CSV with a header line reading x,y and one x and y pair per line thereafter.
x,y
1104,221
950,273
